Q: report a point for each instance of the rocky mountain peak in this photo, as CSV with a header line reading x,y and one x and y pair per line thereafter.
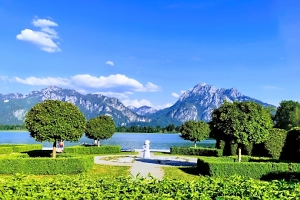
x,y
201,89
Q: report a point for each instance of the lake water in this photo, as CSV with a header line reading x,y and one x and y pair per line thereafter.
x,y
125,140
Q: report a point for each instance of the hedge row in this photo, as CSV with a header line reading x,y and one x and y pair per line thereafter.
x,y
225,168
196,151
18,148
46,166
93,149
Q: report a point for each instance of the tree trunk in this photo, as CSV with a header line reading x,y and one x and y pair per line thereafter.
x,y
54,150
98,142
195,145
240,154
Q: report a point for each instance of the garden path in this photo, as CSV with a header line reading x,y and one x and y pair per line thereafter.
x,y
143,167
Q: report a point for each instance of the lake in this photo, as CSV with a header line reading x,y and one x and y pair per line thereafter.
x,y
125,140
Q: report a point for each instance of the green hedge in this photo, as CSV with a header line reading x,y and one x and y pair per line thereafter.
x,y
291,148
18,148
228,147
6,150
275,142
225,168
46,166
93,149
198,151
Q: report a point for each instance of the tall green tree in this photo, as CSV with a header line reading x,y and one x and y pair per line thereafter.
x,y
195,131
100,128
242,123
54,120
287,115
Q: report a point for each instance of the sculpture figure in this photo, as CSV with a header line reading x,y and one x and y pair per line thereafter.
x,y
146,148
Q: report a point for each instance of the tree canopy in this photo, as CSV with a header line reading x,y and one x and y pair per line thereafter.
x,y
54,120
287,115
241,122
100,128
195,131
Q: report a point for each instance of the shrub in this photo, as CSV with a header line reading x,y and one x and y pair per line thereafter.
x,y
291,148
6,150
46,166
93,149
275,142
229,148
223,167
197,151
247,149
19,147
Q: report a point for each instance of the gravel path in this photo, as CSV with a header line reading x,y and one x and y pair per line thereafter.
x,y
143,167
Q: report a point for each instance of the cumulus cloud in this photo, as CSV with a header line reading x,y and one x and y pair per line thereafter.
x,y
117,83
44,81
110,63
175,95
136,103
43,38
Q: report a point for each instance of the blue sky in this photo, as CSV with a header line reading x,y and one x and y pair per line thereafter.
x,y
149,52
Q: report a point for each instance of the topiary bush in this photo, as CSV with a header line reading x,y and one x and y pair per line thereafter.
x,y
274,144
291,148
247,149
93,149
18,148
225,167
46,166
228,147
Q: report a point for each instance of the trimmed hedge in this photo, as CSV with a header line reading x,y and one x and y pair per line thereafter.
x,y
198,151
93,149
224,168
291,148
6,150
275,142
228,148
46,166
18,148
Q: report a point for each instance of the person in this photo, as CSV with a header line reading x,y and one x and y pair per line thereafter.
x,y
61,145
146,148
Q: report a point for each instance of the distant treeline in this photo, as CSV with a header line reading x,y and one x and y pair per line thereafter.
x,y
149,129
14,127
132,129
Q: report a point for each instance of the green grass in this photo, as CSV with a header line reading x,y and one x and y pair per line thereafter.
x,y
182,173
97,171
168,154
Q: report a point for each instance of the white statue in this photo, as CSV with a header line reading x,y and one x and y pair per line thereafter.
x,y
146,149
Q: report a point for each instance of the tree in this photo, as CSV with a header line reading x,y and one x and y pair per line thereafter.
x,y
194,131
100,128
287,115
242,123
54,120
170,128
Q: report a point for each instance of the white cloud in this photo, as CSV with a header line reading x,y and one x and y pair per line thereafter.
x,y
110,63
43,81
115,94
175,95
43,38
118,81
43,23
182,91
116,84
136,103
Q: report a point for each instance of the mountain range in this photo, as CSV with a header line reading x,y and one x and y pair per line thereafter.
x,y
195,104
